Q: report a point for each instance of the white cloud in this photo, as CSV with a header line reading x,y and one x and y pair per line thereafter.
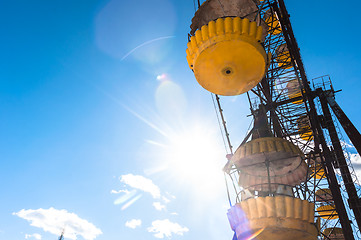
x,y
141,183
119,191
170,195
166,200
355,158
35,235
346,144
133,223
165,228
53,221
356,163
158,206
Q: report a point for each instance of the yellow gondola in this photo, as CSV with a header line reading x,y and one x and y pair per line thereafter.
x,y
283,57
327,212
324,195
294,90
274,26
318,171
286,164
304,128
334,233
227,57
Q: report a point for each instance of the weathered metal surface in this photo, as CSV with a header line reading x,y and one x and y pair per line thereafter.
x,y
212,9
273,218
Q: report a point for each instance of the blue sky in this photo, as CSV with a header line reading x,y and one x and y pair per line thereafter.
x,y
98,107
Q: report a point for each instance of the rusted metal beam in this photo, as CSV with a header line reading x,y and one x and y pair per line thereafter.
x,y
351,131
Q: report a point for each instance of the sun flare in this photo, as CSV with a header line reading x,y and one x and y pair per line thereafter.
x,y
196,157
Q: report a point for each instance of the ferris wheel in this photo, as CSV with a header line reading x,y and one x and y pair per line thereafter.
x,y
292,175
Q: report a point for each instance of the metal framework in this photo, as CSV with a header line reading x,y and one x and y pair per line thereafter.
x,y
301,114
62,235
290,101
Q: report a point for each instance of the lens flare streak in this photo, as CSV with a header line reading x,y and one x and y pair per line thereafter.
x,y
128,204
145,43
124,197
254,235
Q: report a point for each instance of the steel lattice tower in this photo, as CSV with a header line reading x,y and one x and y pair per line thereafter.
x,y
287,105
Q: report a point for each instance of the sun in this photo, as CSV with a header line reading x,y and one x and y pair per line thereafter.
x,y
196,156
